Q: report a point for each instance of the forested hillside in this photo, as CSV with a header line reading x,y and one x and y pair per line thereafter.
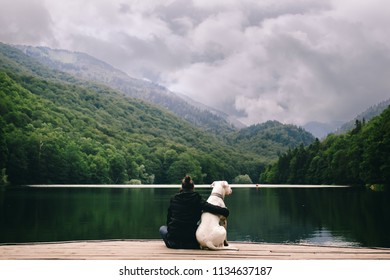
x,y
55,128
91,69
361,156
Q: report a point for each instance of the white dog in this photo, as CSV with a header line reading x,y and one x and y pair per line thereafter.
x,y
211,232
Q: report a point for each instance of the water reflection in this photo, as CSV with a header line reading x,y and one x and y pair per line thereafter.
x,y
326,237
326,216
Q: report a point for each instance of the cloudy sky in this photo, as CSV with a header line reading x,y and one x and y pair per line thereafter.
x,y
289,60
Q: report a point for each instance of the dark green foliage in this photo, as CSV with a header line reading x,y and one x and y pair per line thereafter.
x,y
361,156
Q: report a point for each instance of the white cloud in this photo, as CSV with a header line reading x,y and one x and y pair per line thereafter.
x,y
293,61
22,23
294,67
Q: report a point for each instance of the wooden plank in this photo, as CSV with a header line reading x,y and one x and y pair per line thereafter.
x,y
156,250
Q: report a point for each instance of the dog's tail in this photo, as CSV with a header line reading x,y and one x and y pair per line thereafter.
x,y
211,246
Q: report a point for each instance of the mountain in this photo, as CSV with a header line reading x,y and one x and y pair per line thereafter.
x,y
321,130
58,128
367,115
87,67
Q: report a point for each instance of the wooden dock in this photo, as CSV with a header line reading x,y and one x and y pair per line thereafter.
x,y
156,250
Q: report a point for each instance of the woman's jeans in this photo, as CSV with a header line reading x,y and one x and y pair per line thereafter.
x,y
175,244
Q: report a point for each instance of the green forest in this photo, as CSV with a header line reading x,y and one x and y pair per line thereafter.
x,y
359,157
58,129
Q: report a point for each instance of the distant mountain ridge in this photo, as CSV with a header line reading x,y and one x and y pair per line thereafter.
x,y
367,115
87,67
321,130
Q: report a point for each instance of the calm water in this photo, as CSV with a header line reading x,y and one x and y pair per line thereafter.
x,y
326,216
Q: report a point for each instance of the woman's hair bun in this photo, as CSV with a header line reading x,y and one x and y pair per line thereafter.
x,y
187,179
187,183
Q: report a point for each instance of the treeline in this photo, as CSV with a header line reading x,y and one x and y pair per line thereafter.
x,y
360,157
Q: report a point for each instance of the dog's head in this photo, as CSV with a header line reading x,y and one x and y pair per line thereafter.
x,y
222,187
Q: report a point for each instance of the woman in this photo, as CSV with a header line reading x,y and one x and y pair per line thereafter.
x,y
184,213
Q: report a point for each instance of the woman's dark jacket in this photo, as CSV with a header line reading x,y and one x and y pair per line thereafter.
x,y
184,213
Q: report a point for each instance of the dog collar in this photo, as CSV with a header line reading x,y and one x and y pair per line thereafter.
x,y
217,195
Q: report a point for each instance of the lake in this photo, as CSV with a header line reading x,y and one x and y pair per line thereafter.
x,y
335,216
